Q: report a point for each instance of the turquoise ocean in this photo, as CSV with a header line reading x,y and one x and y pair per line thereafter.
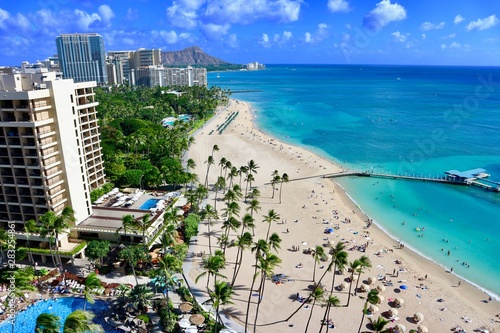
x,y
412,120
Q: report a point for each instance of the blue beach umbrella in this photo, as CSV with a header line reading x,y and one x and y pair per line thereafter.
x,y
328,230
403,287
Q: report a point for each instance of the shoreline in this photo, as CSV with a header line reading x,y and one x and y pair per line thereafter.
x,y
469,296
418,253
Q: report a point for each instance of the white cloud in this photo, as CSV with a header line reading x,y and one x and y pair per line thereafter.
x,y
192,4
384,13
424,36
454,45
426,26
214,31
483,24
287,35
459,18
307,37
132,14
181,17
232,41
169,37
338,6
450,36
265,40
443,46
248,11
106,13
21,21
4,16
399,36
85,20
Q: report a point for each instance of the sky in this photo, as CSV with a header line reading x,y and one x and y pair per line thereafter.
x,y
410,32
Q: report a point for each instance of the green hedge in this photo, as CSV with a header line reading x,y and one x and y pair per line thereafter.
x,y
75,250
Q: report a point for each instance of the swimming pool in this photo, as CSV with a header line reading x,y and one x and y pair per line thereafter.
x,y
150,203
62,307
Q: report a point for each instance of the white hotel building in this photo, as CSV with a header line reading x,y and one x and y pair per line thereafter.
x,y
50,153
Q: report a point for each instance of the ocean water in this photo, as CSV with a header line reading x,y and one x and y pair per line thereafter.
x,y
397,119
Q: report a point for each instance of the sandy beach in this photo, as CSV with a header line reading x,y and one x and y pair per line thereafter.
x,y
309,206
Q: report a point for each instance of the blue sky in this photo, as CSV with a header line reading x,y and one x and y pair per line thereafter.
x,y
420,32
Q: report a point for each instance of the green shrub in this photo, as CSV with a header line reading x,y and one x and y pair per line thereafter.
x,y
191,227
144,318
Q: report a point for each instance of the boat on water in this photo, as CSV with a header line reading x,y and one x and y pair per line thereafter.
x,y
218,75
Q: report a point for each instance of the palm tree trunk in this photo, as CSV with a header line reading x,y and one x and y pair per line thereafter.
x,y
261,295
209,238
281,186
314,270
250,295
135,276
350,288
327,310
362,318
310,315
333,280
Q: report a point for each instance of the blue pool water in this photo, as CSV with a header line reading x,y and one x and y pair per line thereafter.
x,y
151,203
26,320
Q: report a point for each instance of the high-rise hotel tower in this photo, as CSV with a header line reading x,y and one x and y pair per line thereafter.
x,y
50,152
82,57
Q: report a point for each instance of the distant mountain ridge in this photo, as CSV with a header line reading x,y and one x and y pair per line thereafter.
x,y
190,56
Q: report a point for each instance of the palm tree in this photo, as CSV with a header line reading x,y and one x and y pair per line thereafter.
x,y
209,213
284,179
249,179
62,223
259,248
252,167
92,284
339,260
123,290
227,166
379,324
353,266
331,301
232,208
253,207
232,173
271,217
274,242
221,295
141,296
128,223
210,161
143,225
167,238
364,263
81,322
243,242
201,193
212,265
318,254
371,298
317,294
219,184
242,170
222,164
267,265
230,224
47,323
47,222
133,254
30,227
275,178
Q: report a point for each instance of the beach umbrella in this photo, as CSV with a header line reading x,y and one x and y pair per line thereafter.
x,y
403,287
328,230
364,288
371,280
422,329
380,299
398,301
185,307
418,317
343,286
381,288
197,319
400,328
373,308
392,312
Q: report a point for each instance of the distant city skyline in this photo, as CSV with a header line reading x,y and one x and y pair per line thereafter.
x,y
397,32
